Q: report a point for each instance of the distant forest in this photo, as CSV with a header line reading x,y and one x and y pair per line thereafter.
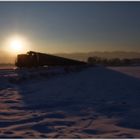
x,y
114,54
113,61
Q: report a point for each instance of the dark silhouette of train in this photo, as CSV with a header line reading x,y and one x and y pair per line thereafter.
x,y
37,59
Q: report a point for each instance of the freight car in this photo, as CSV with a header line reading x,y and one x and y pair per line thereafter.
x,y
37,59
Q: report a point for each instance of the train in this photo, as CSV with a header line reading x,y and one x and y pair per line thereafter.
x,y
37,59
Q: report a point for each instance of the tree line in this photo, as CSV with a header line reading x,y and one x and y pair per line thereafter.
x,y
113,61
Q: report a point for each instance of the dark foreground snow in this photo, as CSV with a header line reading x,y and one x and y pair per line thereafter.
x,y
92,103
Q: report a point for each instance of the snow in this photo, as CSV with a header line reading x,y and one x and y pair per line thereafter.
x,y
93,102
131,71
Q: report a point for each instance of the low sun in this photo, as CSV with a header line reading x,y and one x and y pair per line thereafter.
x,y
16,45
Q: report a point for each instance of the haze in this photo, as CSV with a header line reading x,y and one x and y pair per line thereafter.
x,y
66,27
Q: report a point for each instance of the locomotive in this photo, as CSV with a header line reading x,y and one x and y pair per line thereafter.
x,y
37,59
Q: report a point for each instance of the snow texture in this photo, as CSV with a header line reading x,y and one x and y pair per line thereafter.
x,y
93,102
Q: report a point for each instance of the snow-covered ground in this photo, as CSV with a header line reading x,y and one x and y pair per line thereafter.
x,y
94,102
132,71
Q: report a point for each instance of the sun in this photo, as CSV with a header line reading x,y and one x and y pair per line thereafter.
x,y
16,44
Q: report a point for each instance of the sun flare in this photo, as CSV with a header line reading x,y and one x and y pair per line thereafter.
x,y
16,45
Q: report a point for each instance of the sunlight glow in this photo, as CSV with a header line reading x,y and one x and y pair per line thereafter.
x,y
16,45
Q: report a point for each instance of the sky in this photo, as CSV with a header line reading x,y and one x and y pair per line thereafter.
x,y
55,27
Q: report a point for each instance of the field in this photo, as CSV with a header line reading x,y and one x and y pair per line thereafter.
x,y
93,102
